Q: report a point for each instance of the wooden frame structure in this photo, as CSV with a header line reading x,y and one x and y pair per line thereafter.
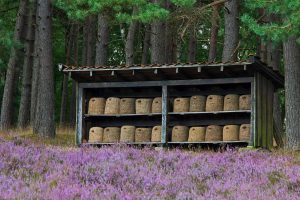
x,y
169,81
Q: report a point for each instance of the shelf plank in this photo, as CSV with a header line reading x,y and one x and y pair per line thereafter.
x,y
122,115
126,143
212,142
205,113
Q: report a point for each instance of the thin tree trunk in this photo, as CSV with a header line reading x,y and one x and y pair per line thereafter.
x,y
73,99
157,41
12,69
292,92
35,75
64,94
90,34
102,40
146,44
24,110
45,101
231,35
212,56
192,47
170,43
129,45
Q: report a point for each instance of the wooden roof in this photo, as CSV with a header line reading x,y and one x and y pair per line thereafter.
x,y
177,71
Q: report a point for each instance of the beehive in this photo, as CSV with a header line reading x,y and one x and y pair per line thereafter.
x,y
214,103
143,134
231,133
245,102
244,132
127,134
143,106
180,133
96,105
197,103
181,105
196,134
96,135
213,133
127,106
231,102
156,134
111,134
112,105
157,105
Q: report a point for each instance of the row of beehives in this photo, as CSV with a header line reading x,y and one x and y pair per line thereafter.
x,y
211,133
179,134
114,105
124,134
198,103
212,103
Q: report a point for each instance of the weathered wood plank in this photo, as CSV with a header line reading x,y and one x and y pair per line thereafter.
x,y
164,120
79,115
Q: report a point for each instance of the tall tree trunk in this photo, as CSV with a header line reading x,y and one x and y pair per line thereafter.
x,y
212,56
291,51
75,61
146,44
64,93
45,101
24,110
157,41
102,40
192,47
231,36
35,75
12,68
90,35
170,43
129,45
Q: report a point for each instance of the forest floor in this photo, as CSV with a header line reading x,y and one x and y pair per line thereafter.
x,y
35,168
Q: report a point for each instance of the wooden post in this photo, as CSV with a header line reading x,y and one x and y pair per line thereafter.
x,y
79,115
164,114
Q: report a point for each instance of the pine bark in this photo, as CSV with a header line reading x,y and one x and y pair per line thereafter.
x,y
12,69
212,56
146,45
231,35
24,110
89,35
102,40
291,51
170,43
157,41
192,47
45,98
129,45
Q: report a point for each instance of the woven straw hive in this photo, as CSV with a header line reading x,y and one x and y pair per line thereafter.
x,y
181,105
197,103
111,134
231,133
112,105
214,103
96,105
231,102
143,106
245,102
143,134
213,133
96,135
180,133
157,105
244,132
156,134
127,106
127,134
196,134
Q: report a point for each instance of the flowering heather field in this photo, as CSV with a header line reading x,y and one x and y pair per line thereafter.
x,y
30,171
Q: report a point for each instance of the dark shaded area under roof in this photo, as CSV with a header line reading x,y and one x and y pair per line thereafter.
x,y
178,71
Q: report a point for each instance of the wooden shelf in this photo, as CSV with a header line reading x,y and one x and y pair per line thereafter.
x,y
210,113
122,115
212,142
126,143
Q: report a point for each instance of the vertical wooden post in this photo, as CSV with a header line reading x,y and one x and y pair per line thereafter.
x,y
79,114
164,114
253,114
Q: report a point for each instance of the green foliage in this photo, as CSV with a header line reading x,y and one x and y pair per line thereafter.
x,y
287,10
